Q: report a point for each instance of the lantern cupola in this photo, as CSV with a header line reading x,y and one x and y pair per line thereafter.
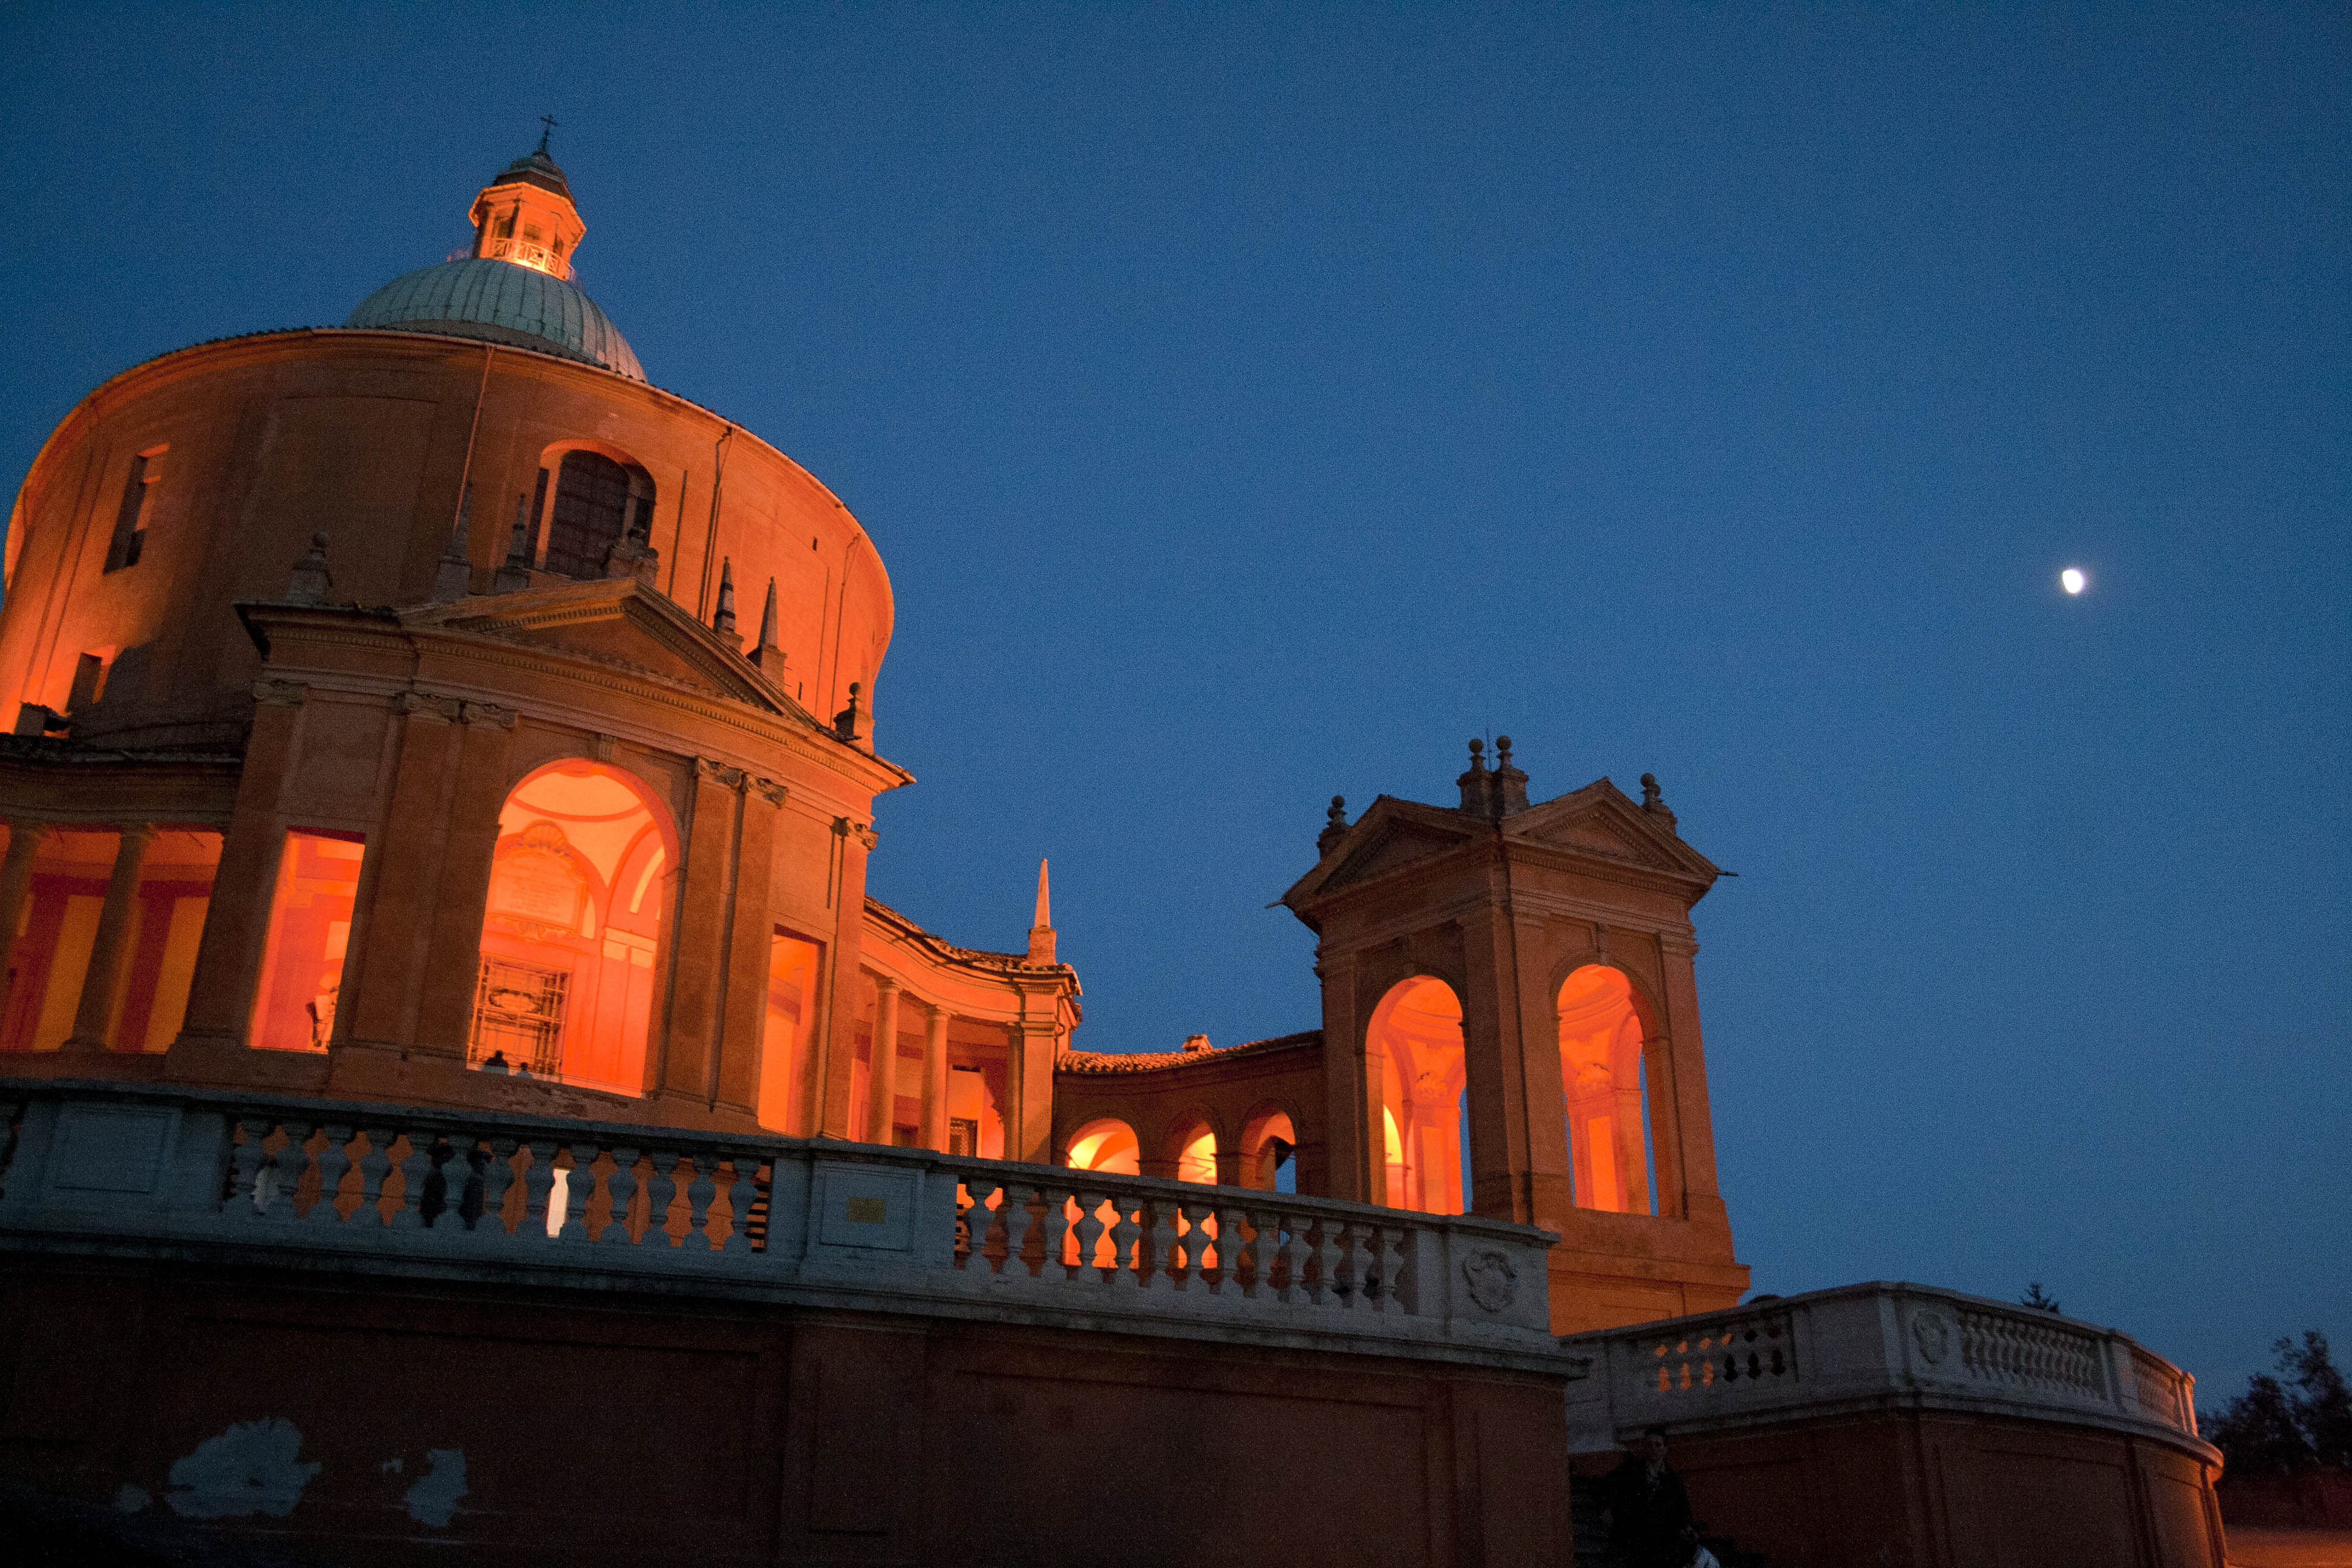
x,y
526,215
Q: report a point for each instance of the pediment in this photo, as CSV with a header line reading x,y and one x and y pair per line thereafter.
x,y
616,622
1390,836
1600,821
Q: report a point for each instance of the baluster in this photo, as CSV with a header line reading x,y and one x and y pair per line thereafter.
x,y
538,1188
1230,1222
461,1184
373,1164
334,1165
291,1162
498,1175
1157,1265
1278,1262
741,1193
1387,1256
408,1214
1019,1221
1056,1221
579,1188
621,1185
1126,1239
1090,1231
698,1193
245,1164
1343,1276
661,1190
978,1220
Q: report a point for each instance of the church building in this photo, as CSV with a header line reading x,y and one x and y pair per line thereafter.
x,y
460,1092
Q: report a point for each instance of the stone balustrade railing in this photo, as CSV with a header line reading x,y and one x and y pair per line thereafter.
x,y
151,1170
1865,1346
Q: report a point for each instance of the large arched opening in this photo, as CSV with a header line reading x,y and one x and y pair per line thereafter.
x,y
1415,1046
599,501
1107,1144
1269,1151
1605,1090
571,938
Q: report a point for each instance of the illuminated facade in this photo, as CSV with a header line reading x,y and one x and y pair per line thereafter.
x,y
385,727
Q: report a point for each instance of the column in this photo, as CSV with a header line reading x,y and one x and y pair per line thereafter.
x,y
453,960
935,1081
688,1045
1687,1134
743,1034
24,840
882,1070
229,957
1349,1169
1032,1041
387,971
836,1035
109,952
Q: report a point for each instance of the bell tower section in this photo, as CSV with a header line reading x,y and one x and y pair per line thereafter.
x,y
1511,1026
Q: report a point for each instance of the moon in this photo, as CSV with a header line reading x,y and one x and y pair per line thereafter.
x,y
2072,580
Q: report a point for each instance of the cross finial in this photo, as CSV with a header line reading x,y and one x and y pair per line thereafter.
x,y
547,121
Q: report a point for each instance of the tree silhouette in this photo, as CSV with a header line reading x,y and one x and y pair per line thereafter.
x,y
2292,1422
2034,1299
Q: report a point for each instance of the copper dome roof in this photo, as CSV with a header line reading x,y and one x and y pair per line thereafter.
x,y
501,303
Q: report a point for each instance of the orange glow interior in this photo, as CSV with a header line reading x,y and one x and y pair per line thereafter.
x,y
60,925
975,1119
1601,1081
1259,1151
580,890
784,1044
1197,1162
309,928
1416,1042
175,891
1106,1145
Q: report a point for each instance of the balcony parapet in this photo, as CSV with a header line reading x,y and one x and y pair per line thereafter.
x,y
1872,1348
166,1172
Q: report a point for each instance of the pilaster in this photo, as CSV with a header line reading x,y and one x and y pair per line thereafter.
x,y
110,951
689,1045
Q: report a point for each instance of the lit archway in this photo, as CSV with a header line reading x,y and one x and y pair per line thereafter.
x,y
1415,1045
1196,1155
1604,1090
1269,1145
1106,1144
571,938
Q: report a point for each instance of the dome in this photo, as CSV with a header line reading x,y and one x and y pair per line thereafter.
x,y
500,302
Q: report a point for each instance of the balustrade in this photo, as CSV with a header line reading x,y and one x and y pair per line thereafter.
x,y
450,1186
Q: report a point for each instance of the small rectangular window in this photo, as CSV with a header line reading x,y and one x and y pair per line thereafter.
x,y
89,682
138,501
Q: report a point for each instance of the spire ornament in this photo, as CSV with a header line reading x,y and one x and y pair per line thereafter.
x,y
723,622
1335,825
1040,928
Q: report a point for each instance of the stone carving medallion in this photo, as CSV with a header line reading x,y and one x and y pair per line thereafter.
x,y
1932,1333
1494,1283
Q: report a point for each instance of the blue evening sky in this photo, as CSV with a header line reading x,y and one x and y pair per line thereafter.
x,y
1253,404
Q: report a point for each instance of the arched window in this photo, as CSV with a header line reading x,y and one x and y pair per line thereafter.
x,y
1605,1090
1415,1046
577,906
1196,1155
598,503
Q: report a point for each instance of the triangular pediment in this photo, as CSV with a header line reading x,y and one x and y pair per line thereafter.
x,y
1390,836
617,622
1599,820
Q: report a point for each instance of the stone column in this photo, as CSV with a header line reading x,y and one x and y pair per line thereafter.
x,y
837,1034
751,931
1347,1167
386,973
1691,1140
25,839
935,1081
882,1068
453,960
109,950
229,957
690,1045
1029,1122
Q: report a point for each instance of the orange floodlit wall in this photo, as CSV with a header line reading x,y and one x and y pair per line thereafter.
x,y
1197,1160
309,931
1417,1040
975,1109
571,939
784,1055
52,951
1605,1090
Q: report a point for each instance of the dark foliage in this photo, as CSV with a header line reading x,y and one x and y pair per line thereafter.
x,y
2034,1299
2291,1422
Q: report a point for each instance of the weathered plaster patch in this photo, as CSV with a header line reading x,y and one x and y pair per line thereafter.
x,y
132,1499
434,1496
255,1467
